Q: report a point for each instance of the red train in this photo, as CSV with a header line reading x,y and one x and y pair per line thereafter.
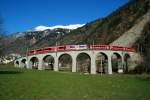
x,y
78,47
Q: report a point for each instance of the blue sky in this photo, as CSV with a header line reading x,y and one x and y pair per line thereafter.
x,y
21,15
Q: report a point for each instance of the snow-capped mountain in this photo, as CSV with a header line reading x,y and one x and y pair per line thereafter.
x,y
71,27
45,30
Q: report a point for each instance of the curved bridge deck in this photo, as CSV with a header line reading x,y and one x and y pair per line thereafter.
x,y
94,59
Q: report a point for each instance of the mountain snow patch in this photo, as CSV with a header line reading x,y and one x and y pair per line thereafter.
x,y
71,27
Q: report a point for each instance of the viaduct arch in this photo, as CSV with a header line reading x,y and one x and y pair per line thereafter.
x,y
65,62
83,61
101,63
48,62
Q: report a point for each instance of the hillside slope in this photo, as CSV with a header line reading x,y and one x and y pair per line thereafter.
x,y
129,38
19,42
108,29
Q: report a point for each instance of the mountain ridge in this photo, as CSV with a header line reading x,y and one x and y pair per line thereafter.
x,y
45,28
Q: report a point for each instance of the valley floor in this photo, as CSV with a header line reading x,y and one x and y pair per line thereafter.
x,y
22,84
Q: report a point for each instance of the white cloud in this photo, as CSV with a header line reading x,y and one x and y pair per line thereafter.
x,y
71,27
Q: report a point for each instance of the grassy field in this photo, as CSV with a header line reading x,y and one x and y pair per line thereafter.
x,y
21,84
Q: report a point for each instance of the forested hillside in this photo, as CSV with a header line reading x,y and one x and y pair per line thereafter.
x,y
106,30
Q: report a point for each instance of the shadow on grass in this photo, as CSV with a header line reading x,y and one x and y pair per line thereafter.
x,y
10,72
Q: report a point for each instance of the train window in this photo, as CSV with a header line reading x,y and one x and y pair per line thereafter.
x,y
48,49
31,51
39,50
61,47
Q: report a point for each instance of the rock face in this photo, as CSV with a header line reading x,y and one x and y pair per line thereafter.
x,y
133,34
129,38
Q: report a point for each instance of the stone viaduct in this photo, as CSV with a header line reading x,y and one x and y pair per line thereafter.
x,y
99,61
